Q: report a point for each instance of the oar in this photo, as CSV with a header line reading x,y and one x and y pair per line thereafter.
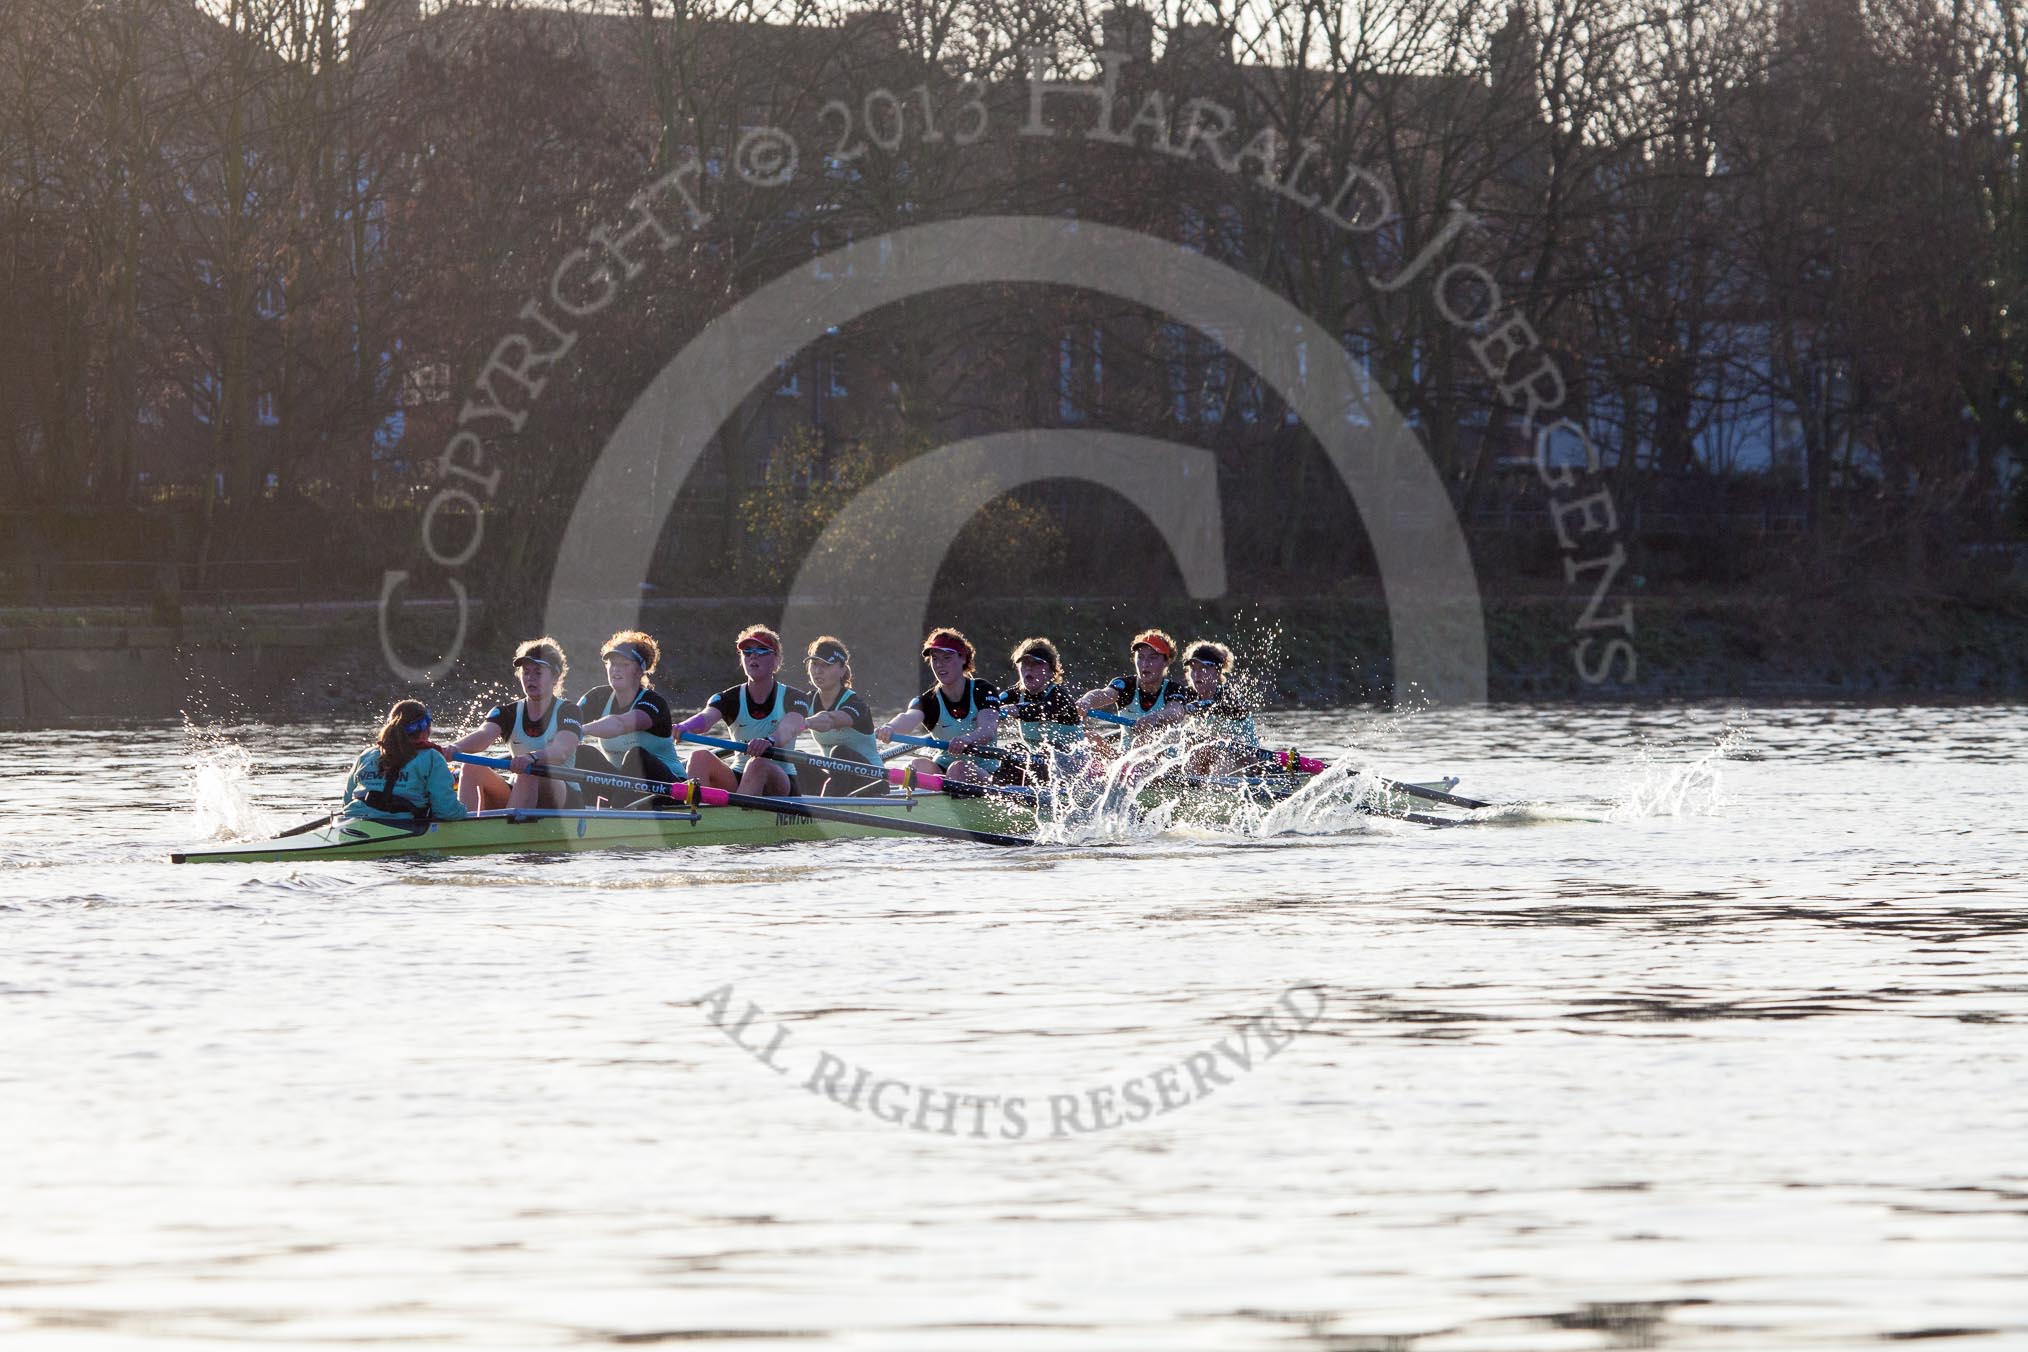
x,y
898,774
691,793
939,744
307,826
996,754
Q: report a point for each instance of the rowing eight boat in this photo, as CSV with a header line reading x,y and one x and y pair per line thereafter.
x,y
534,831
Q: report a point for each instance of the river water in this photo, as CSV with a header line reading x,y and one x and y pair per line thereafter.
x,y
1719,1044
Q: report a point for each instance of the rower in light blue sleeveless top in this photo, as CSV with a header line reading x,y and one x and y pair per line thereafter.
x,y
852,740
950,727
747,725
616,747
935,711
524,742
1153,651
764,715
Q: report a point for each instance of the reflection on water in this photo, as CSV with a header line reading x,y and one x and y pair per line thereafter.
x,y
1713,1041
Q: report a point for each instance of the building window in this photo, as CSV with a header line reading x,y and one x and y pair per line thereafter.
x,y
1175,339
1217,383
204,397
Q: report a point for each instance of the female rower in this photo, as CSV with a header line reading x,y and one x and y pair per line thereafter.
x,y
1221,722
402,774
536,727
1044,714
626,723
840,719
762,712
1148,697
958,709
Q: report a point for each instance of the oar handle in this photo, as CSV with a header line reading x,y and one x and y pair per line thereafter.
x,y
682,787
903,775
691,793
1108,716
987,752
705,739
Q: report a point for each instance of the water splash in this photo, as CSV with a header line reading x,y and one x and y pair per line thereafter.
x,y
220,781
1102,807
1693,790
1109,807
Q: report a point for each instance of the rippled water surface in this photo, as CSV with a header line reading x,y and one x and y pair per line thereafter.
x,y
1721,1043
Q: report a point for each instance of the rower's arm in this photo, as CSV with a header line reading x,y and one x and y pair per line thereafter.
x,y
443,790
790,728
831,720
905,722
612,725
988,727
704,720
351,782
478,739
1105,697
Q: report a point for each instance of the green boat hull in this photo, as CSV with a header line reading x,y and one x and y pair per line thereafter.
x,y
565,832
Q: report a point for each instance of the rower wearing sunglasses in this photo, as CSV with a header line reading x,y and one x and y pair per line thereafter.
x,y
840,719
1222,734
761,712
1149,697
958,709
536,727
626,723
402,775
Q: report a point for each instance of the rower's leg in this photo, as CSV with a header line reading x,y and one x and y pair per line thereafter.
x,y
765,779
480,789
709,770
534,791
965,773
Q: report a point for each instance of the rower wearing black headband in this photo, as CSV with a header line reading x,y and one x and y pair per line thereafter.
x,y
1221,730
1042,713
840,719
537,727
627,724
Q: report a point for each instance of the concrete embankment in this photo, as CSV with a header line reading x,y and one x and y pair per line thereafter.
x,y
325,660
